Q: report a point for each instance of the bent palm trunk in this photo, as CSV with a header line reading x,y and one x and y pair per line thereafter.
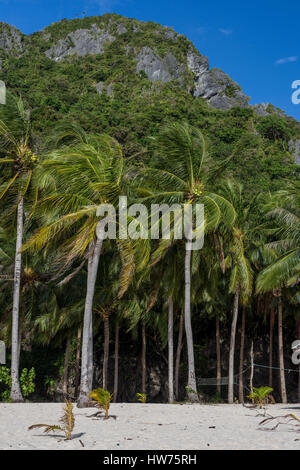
x,y
271,348
77,362
192,385
86,355
144,388
298,336
106,351
15,393
116,372
218,355
280,352
232,345
171,351
178,354
241,381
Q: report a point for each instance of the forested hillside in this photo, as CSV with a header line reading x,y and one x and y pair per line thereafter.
x,y
95,88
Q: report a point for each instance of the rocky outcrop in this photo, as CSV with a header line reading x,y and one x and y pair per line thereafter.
x,y
211,84
10,38
100,87
11,41
261,109
156,68
294,147
81,42
214,85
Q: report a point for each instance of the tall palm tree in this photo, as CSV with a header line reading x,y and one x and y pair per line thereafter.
x,y
239,246
91,167
180,173
283,208
18,160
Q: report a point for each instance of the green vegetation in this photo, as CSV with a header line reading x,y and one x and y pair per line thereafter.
x,y
154,143
259,396
142,397
27,382
67,423
102,398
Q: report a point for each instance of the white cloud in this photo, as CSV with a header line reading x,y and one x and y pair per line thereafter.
x,y
227,32
285,60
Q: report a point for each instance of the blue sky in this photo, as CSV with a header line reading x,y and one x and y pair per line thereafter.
x,y
257,43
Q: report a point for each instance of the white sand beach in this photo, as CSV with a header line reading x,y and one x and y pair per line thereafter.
x,y
149,426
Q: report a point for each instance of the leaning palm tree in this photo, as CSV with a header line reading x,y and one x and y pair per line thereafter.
x,y
91,168
17,162
239,245
284,209
181,173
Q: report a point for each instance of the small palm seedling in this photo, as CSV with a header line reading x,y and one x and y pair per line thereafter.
x,y
287,419
67,423
142,397
102,399
260,395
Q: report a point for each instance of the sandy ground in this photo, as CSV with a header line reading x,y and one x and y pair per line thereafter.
x,y
149,426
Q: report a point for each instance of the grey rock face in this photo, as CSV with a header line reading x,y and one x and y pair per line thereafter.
x,y
109,90
171,35
214,85
261,109
294,147
81,43
100,88
197,64
157,68
121,29
10,38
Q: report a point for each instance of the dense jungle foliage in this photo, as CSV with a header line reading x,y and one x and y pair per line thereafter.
x,y
249,266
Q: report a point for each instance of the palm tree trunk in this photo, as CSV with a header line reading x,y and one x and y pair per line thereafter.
x,y
66,366
90,355
144,388
20,342
192,384
251,368
15,393
77,361
298,337
271,348
232,345
86,355
178,354
116,372
241,379
280,352
106,351
218,355
171,350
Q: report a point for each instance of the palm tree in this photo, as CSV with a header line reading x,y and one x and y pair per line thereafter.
x,y
284,209
241,279
15,177
180,173
170,349
178,354
91,167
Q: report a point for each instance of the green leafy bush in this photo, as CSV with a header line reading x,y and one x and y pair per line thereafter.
x,y
27,382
